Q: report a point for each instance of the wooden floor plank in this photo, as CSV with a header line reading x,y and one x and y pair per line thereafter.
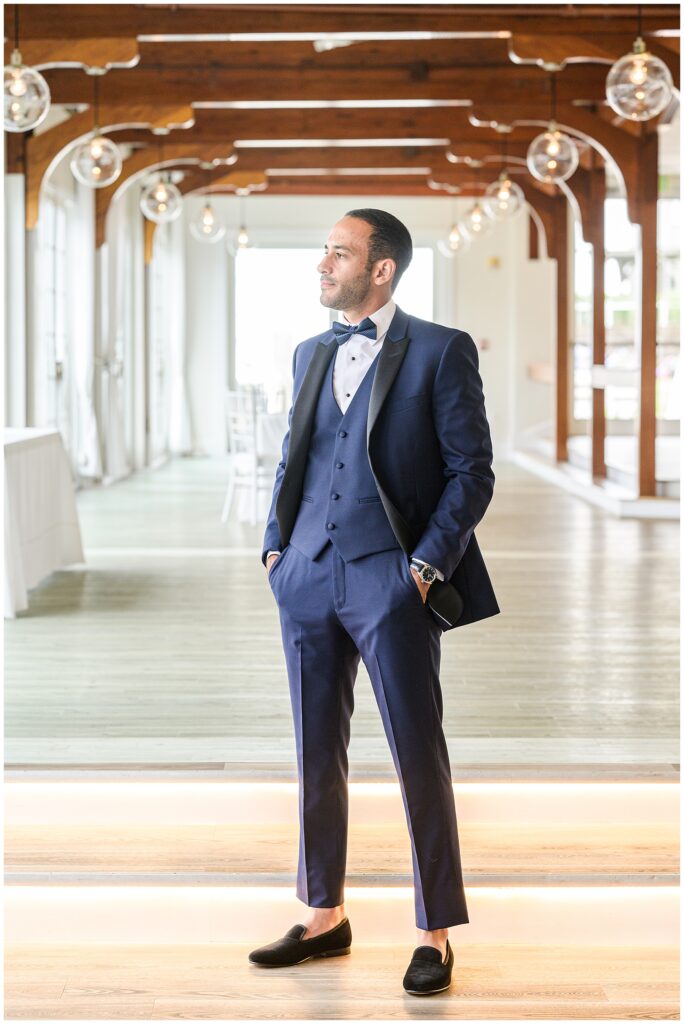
x,y
609,851
165,647
217,982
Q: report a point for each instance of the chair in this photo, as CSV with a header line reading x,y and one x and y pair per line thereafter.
x,y
247,467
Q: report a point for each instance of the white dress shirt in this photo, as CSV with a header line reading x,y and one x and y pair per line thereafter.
x,y
355,356
353,360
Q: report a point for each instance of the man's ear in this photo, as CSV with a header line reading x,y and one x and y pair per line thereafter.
x,y
385,270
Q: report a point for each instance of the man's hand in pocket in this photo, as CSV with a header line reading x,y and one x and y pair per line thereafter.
x,y
423,587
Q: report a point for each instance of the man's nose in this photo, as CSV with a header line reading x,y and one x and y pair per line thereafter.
x,y
323,266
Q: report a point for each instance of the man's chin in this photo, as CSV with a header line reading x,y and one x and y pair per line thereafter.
x,y
327,299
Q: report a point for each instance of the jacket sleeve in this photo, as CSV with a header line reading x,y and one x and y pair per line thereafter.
x,y
462,429
272,541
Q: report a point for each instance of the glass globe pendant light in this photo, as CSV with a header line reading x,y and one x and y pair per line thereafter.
x,y
457,241
161,201
553,155
207,228
503,196
639,85
477,220
454,244
97,162
27,95
242,240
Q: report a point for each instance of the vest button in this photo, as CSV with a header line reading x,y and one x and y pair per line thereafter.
x,y
334,497
330,526
339,465
343,433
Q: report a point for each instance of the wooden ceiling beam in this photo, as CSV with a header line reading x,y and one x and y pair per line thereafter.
x,y
50,20
98,52
193,183
361,123
577,49
141,165
417,57
418,81
44,149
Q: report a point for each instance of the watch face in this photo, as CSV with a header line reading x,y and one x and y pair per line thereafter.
x,y
428,574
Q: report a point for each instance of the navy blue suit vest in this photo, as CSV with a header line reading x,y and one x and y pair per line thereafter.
x,y
340,500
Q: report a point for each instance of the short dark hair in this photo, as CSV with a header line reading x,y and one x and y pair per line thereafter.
x,y
389,239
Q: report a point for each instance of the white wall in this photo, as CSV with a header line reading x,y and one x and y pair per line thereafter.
x,y
207,334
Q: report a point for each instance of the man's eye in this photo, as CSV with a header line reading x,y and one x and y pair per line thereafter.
x,y
340,255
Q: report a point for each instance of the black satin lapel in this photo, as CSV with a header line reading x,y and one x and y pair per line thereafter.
x,y
389,362
303,412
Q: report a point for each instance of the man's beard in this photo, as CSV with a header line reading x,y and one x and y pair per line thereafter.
x,y
350,295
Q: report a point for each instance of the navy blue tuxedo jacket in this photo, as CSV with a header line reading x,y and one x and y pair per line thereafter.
x,y
428,445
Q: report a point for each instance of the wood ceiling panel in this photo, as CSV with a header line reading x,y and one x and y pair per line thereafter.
x,y
196,84
453,91
296,54
48,20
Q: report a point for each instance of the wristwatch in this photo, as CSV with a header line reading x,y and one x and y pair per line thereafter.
x,y
427,573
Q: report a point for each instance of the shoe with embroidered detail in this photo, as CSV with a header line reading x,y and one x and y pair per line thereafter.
x,y
427,972
293,949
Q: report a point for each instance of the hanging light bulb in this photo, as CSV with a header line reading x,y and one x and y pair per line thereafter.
x,y
503,197
639,85
552,156
207,228
458,240
477,220
27,95
240,240
98,161
161,201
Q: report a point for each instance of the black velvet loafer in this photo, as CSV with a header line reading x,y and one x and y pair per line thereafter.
x,y
293,949
427,972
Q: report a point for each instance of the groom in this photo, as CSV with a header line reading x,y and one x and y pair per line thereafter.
x,y
370,552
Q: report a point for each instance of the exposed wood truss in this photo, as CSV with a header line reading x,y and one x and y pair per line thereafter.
x,y
406,99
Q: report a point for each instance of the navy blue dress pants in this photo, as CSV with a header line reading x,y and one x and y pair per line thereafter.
x,y
331,613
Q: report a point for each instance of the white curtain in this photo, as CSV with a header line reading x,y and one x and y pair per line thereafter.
x,y
180,432
81,284
114,277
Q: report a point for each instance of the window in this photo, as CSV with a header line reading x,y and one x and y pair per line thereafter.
x,y
621,282
277,306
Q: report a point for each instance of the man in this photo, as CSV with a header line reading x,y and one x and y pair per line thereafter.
x,y
370,552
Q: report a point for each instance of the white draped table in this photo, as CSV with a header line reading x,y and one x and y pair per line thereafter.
x,y
271,428
42,531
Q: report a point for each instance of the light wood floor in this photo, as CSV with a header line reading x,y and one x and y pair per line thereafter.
x,y
165,648
379,854
217,982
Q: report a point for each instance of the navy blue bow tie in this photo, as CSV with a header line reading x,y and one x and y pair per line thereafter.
x,y
343,332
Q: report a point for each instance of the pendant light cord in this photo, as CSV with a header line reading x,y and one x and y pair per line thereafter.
x,y
96,100
16,26
553,95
